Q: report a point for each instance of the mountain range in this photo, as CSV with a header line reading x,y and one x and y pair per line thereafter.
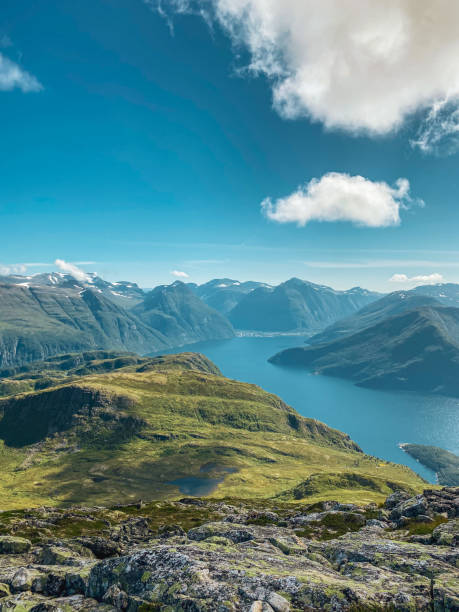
x,y
48,314
45,315
415,350
296,305
224,294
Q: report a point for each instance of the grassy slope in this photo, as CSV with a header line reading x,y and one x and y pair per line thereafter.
x,y
188,419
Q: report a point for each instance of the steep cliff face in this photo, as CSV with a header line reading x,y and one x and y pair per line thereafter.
x,y
85,413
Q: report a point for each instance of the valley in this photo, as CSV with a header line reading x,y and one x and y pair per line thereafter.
x,y
121,430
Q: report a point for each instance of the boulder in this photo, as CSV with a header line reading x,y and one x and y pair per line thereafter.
x,y
14,545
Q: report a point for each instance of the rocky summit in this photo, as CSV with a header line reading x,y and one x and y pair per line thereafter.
x,y
233,555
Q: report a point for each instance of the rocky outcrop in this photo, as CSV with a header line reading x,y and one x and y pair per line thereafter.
x,y
31,418
247,558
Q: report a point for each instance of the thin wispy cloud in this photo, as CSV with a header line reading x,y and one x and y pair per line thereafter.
x,y
5,270
341,197
382,263
425,279
363,67
12,76
440,131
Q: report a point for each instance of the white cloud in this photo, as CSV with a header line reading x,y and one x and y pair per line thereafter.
x,y
425,279
341,197
180,274
13,269
440,131
358,65
73,270
12,76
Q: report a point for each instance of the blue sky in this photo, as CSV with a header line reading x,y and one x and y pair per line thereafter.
x,y
135,148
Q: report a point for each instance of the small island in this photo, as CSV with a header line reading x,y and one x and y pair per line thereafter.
x,y
444,463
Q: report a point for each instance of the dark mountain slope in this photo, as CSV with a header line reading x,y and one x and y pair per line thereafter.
x,y
296,305
176,312
388,306
38,322
417,351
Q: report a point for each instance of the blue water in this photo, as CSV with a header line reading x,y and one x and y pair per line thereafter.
x,y
377,420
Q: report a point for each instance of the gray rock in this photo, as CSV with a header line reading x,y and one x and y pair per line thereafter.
x,y
278,603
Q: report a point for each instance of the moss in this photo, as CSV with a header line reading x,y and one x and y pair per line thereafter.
x,y
420,528
262,520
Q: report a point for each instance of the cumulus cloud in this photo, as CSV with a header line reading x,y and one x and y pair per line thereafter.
x,y
180,274
73,270
357,65
12,76
341,197
425,279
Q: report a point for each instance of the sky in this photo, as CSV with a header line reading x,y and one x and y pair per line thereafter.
x,y
251,139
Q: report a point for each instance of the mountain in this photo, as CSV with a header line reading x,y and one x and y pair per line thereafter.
x,y
123,293
177,313
108,429
296,305
40,321
389,305
224,294
445,293
417,350
48,314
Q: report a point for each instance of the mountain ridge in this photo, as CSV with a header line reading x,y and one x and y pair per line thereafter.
x,y
417,350
296,305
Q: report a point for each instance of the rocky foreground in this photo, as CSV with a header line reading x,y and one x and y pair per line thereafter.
x,y
202,555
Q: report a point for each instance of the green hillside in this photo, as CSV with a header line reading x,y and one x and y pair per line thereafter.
x,y
126,433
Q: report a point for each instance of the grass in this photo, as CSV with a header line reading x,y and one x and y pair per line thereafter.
x,y
189,418
93,521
